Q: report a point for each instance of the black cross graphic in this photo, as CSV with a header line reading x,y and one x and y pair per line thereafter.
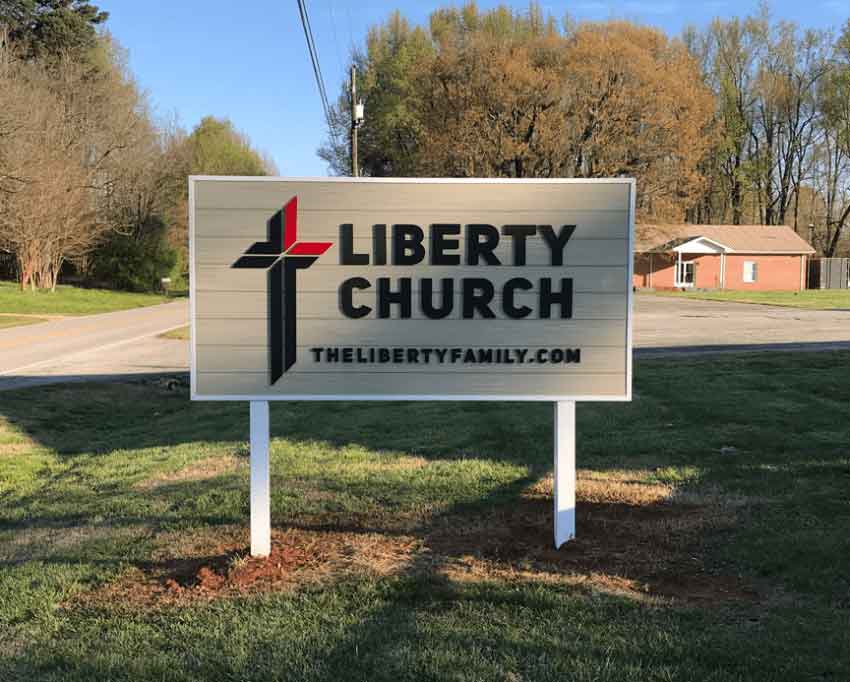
x,y
283,256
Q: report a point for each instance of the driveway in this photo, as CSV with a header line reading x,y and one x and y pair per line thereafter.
x,y
126,343
666,325
95,346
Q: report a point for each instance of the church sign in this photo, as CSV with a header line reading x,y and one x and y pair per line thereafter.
x,y
372,289
410,289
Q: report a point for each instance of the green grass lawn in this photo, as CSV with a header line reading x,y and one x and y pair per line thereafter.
x,y
18,321
412,539
180,334
69,300
815,299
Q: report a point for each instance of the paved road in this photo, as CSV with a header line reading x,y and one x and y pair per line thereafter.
x,y
120,343
668,325
126,343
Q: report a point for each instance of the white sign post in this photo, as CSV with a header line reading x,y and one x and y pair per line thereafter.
x,y
411,289
261,527
564,476
564,486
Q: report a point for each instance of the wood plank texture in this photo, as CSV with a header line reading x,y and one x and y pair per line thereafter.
x,y
232,321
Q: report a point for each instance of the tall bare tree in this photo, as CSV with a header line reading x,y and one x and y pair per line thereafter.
x,y
831,157
766,77
64,131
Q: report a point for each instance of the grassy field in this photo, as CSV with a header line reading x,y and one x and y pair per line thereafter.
x,y
180,334
822,299
69,300
412,539
18,320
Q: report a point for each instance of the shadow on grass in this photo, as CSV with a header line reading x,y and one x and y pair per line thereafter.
x,y
644,544
463,602
100,418
424,620
416,628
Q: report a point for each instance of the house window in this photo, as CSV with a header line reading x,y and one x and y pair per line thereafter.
x,y
751,271
685,274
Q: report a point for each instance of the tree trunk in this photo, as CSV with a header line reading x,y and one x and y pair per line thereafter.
x,y
737,194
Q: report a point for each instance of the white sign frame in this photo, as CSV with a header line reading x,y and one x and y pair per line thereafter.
x,y
564,422
625,397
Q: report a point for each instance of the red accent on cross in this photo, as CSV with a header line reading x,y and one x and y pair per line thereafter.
x,y
309,248
290,234
290,223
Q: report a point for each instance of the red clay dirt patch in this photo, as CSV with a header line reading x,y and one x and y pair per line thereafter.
x,y
649,551
236,571
297,557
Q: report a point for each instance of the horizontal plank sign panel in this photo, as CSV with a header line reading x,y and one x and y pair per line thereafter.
x,y
413,289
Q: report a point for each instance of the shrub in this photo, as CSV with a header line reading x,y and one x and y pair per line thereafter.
x,y
137,262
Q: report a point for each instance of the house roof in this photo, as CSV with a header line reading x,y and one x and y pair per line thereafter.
x,y
735,238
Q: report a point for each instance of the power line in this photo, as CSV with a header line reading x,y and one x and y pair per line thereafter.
x,y
314,55
314,59
315,51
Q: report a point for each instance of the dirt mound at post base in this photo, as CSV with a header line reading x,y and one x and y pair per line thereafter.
x,y
236,570
648,549
653,550
298,556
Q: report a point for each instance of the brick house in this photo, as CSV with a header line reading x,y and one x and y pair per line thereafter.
x,y
746,257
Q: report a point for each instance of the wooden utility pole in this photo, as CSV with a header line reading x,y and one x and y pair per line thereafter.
x,y
355,171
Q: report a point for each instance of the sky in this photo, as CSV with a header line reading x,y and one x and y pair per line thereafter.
x,y
248,61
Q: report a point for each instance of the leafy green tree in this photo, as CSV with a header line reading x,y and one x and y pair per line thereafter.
x,y
386,81
137,262
217,148
148,206
500,93
49,28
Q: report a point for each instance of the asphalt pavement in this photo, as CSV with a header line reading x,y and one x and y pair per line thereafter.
x,y
127,343
123,343
666,325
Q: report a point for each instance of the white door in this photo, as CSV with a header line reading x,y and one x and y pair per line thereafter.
x,y
685,274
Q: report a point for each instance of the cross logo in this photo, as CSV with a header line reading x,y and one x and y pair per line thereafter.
x,y
282,255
